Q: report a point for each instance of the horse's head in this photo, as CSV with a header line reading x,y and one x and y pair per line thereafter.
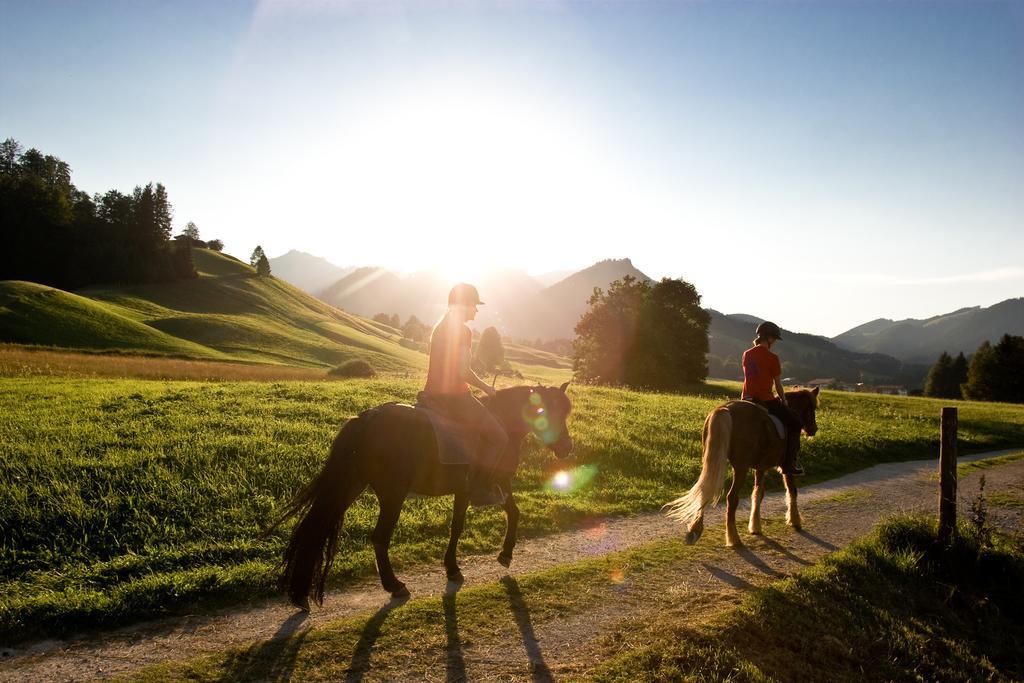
x,y
804,402
544,412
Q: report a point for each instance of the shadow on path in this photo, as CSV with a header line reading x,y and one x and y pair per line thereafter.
x,y
783,550
751,558
538,667
819,541
455,664
272,659
727,578
360,663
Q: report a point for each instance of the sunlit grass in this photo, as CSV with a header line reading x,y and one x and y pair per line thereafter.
x,y
127,498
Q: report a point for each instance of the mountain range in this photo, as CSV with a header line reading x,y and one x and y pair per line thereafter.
x,y
518,305
523,307
922,341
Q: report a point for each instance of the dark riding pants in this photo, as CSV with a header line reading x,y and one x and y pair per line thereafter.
x,y
474,416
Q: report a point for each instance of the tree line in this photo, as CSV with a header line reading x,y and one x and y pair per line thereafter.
x,y
995,373
58,235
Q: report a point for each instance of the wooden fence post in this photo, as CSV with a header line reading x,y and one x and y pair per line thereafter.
x,y
947,475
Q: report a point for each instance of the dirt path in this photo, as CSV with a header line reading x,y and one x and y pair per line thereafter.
x,y
834,513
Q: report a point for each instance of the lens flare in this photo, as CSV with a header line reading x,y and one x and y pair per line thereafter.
x,y
568,481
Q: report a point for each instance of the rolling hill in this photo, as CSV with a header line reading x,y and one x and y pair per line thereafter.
x,y
227,313
922,341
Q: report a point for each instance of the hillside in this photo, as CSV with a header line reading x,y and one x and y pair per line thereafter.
x,y
307,272
804,356
227,313
922,341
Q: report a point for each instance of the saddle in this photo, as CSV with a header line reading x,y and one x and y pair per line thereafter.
x,y
780,429
456,444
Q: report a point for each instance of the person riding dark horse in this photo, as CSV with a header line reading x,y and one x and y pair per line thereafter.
x,y
762,373
447,391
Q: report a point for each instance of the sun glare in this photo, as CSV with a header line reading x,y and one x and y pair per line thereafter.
x,y
464,178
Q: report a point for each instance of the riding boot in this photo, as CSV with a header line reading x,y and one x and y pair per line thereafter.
x,y
483,491
789,464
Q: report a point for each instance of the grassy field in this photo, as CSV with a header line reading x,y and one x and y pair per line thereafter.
x,y
895,606
121,499
227,313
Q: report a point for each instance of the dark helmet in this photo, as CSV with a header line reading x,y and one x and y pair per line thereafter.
x,y
768,329
465,295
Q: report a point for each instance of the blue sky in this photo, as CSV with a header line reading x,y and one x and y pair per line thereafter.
x,y
821,164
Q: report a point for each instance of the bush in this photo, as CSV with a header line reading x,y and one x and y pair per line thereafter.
x,y
357,367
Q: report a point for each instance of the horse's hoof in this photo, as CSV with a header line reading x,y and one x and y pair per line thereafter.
x,y
302,604
797,526
400,591
505,560
736,543
691,537
755,532
456,576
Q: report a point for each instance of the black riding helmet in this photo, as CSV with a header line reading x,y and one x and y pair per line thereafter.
x,y
768,329
464,294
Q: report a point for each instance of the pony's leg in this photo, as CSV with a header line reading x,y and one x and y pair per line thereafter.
x,y
755,502
792,513
696,529
451,560
390,509
732,537
511,527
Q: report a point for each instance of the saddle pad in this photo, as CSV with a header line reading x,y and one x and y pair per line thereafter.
x,y
456,445
779,427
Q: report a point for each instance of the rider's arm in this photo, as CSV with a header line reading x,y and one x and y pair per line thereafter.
x,y
470,377
779,390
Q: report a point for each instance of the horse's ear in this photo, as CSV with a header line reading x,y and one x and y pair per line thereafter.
x,y
815,390
564,387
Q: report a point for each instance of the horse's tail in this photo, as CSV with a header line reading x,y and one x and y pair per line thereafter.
x,y
322,503
708,489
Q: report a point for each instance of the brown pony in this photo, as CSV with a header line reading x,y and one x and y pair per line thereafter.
x,y
740,432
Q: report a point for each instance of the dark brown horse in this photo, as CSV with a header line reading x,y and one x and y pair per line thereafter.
x,y
739,432
392,449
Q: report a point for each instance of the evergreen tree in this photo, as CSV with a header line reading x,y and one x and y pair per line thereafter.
x,y
184,265
191,231
939,377
257,254
263,266
996,373
958,376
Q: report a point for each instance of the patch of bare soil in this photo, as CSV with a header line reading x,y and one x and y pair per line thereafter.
x,y
834,514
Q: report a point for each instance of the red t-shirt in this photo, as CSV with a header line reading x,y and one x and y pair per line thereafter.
x,y
760,368
449,343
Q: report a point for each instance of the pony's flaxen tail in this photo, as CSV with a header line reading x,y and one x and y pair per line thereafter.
x,y
322,503
708,489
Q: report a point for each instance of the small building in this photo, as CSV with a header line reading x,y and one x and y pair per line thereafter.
x,y
823,383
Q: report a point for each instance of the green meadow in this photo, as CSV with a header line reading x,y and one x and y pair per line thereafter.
x,y
126,499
